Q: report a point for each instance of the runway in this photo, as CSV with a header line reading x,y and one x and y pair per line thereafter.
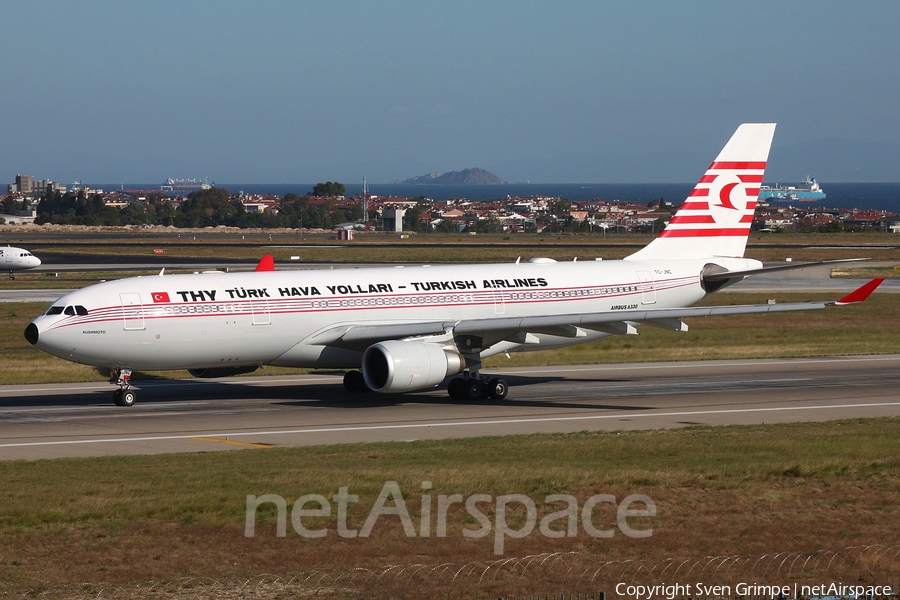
x,y
66,420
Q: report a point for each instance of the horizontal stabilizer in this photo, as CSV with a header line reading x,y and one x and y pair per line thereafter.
x,y
725,275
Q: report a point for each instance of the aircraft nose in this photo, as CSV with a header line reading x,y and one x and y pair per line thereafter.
x,y
31,334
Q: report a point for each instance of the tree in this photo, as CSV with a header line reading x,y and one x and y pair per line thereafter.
x,y
9,205
832,227
561,207
412,218
489,225
208,208
446,226
329,189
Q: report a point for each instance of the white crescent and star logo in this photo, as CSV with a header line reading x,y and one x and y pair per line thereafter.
x,y
725,196
728,199
160,296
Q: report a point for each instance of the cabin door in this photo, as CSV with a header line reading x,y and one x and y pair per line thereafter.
x,y
132,312
648,287
499,303
260,310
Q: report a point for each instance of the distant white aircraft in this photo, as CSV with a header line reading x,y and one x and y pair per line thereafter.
x,y
402,329
17,259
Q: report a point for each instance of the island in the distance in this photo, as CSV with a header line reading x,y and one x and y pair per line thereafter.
x,y
464,177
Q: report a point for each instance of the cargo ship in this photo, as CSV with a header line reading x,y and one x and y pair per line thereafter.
x,y
808,191
184,186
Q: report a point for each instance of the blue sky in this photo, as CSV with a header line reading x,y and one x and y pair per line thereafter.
x,y
290,91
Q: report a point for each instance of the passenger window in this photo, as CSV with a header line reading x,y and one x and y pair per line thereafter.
x,y
55,310
80,310
69,310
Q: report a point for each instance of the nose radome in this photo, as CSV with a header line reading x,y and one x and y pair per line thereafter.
x,y
31,334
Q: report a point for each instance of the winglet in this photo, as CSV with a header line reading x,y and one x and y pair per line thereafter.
x,y
266,263
860,293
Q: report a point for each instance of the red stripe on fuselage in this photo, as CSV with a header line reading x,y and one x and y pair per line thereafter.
x,y
486,297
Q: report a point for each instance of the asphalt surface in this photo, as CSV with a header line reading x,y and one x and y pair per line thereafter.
x,y
65,420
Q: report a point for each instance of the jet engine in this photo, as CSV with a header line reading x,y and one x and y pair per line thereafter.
x,y
221,371
397,366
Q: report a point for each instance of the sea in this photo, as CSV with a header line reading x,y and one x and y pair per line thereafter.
x,y
879,196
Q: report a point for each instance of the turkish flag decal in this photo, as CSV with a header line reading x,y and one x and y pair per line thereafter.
x,y
160,297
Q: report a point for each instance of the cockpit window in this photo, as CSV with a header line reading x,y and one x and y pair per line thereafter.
x,y
80,310
70,310
54,310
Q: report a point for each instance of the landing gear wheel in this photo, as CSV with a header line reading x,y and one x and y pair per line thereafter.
x,y
497,388
473,390
355,382
124,398
457,388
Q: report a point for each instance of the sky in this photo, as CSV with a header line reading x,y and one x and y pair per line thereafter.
x,y
293,91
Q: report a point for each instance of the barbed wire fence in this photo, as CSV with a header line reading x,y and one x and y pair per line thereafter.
x,y
548,575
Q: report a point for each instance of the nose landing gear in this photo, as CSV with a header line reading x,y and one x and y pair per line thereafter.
x,y
124,396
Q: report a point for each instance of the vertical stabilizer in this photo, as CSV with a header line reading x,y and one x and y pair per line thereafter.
x,y
715,219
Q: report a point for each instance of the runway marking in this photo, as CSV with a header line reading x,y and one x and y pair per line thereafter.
x,y
4,411
630,416
695,364
12,390
227,441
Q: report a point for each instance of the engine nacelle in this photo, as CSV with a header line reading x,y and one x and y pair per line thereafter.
x,y
221,371
395,366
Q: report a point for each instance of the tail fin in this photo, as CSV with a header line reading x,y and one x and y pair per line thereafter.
x,y
715,219
266,263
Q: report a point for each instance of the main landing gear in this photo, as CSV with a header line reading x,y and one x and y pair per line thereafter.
x,y
468,387
124,396
477,388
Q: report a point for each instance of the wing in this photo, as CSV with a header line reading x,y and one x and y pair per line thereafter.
x,y
484,333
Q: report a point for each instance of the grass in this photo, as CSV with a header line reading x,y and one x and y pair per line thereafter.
x,y
765,488
867,272
432,248
858,329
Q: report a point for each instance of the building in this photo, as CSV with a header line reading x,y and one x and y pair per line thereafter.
x,y
392,219
25,184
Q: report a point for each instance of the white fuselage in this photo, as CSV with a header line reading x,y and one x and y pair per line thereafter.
x,y
284,317
17,259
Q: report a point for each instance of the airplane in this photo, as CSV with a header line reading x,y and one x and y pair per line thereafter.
x,y
406,328
17,259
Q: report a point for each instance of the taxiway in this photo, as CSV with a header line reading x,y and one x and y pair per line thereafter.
x,y
66,420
